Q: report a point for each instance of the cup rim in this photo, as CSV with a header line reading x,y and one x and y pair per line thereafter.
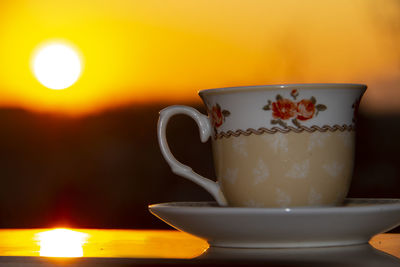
x,y
272,87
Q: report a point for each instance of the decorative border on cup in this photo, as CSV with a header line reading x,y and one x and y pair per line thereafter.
x,y
288,129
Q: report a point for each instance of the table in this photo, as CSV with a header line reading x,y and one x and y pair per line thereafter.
x,y
95,247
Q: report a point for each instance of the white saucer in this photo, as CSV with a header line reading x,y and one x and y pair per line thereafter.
x,y
353,223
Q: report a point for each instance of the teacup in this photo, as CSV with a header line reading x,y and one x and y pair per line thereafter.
x,y
275,145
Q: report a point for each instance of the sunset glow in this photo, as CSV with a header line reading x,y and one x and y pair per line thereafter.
x,y
165,51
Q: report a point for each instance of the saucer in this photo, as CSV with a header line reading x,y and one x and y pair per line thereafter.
x,y
355,222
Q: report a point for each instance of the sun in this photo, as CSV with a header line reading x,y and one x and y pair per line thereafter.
x,y
57,65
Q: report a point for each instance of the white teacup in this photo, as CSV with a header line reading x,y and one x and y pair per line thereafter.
x,y
275,145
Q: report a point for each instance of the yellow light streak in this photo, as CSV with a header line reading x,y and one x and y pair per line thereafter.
x,y
100,243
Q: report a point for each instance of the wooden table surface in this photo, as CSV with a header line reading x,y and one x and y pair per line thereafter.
x,y
91,247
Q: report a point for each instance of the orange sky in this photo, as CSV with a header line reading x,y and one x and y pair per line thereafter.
x,y
166,50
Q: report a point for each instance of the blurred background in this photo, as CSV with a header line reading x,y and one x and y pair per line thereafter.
x,y
87,155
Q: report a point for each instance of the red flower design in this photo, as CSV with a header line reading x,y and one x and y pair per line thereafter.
x,y
283,109
294,93
217,117
305,109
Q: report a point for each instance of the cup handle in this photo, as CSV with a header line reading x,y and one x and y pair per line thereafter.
x,y
177,167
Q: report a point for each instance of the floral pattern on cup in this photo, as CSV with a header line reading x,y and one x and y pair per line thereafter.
x,y
218,115
284,109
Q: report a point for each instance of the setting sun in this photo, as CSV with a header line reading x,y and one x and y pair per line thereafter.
x,y
56,66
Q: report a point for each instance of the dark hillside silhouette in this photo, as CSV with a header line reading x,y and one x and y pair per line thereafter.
x,y
102,171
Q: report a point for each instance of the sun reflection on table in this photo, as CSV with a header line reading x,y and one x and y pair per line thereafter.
x,y
61,243
71,244
74,243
